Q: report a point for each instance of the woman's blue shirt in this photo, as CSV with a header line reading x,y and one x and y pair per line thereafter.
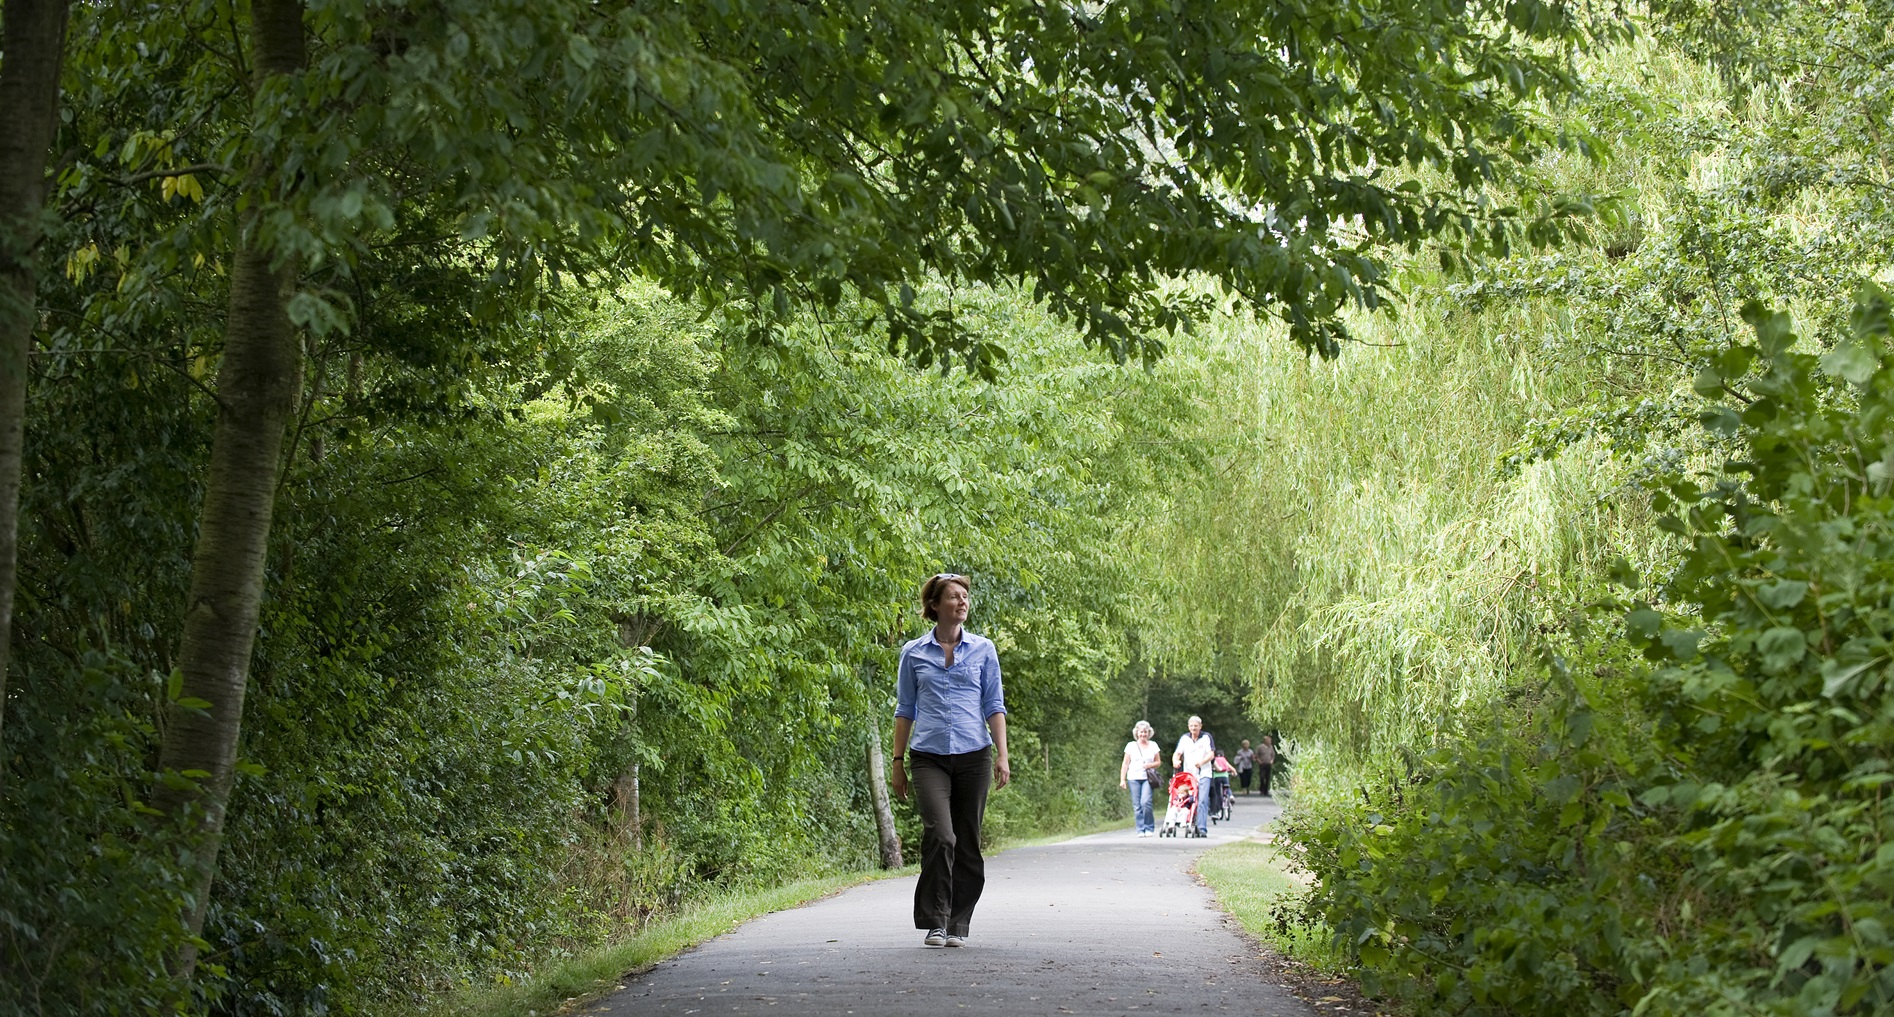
x,y
949,705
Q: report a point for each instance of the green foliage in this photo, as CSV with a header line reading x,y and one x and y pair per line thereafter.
x,y
1698,830
543,532
1357,569
680,551
766,156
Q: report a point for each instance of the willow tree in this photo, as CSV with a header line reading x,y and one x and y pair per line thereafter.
x,y
767,156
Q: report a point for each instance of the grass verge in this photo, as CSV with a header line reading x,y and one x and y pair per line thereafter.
x,y
1250,878
586,976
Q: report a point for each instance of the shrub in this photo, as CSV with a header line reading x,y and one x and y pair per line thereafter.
x,y
1687,817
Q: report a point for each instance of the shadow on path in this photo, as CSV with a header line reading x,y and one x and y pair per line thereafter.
x,y
1108,923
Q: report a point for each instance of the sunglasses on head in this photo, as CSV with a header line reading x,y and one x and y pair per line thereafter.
x,y
948,575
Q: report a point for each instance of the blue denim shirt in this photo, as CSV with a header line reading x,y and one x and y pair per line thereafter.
x,y
949,705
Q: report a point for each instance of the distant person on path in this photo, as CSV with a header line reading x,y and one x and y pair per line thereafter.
x,y
1220,770
1195,753
1138,772
1245,765
1265,762
947,701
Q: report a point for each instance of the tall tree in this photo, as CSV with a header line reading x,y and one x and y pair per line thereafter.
x,y
257,386
32,47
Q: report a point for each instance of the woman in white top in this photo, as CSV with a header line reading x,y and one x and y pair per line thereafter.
x,y
1137,771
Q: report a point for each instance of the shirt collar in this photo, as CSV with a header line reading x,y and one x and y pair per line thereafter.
x,y
966,639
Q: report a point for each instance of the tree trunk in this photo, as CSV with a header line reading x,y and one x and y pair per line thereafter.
x,y
633,631
878,789
33,41
257,386
625,804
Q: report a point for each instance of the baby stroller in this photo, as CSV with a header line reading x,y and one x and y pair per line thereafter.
x,y
1182,814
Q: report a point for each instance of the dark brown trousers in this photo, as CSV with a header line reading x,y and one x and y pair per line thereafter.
x,y
950,794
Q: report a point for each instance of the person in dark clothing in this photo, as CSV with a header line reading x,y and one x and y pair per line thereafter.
x,y
1265,763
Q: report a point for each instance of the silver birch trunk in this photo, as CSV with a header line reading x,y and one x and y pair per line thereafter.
x,y
257,385
878,790
629,814
633,631
33,39
625,803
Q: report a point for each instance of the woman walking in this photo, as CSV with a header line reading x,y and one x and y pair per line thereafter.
x,y
950,725
1137,772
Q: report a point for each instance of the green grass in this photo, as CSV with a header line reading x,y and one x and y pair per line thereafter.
x,y
1250,878
603,970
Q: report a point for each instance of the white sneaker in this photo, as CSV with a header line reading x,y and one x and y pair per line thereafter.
x,y
956,941
935,937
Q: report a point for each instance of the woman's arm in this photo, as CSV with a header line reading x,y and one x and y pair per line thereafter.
x,y
993,704
906,689
1002,770
1124,767
898,770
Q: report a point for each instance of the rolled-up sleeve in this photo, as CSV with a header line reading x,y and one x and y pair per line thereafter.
x,y
992,696
904,688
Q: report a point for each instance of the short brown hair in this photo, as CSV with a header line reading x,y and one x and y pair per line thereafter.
x,y
930,591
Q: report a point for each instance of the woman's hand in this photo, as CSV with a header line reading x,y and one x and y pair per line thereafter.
x,y
1121,783
1002,773
898,780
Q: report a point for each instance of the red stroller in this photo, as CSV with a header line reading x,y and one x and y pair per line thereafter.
x,y
1181,816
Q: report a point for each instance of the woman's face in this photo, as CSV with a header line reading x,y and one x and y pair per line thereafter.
x,y
951,603
1144,734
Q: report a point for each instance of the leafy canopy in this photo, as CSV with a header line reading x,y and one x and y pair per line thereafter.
x,y
773,154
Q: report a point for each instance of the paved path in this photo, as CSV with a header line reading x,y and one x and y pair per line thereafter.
x,y
1108,923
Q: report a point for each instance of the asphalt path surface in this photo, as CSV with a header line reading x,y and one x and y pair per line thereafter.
x,y
1110,923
